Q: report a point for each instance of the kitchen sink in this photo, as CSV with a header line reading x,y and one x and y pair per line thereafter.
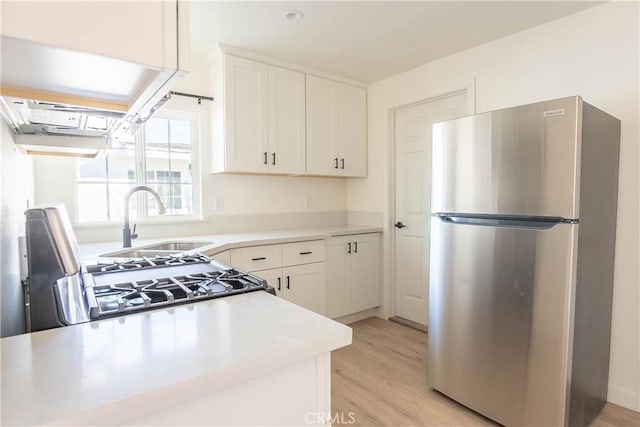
x,y
158,249
138,253
176,246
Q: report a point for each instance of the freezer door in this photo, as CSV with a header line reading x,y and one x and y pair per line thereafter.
x,y
517,161
499,305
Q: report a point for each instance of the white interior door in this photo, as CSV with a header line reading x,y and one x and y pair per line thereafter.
x,y
413,195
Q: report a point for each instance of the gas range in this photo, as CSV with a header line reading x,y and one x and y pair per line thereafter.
x,y
118,288
62,291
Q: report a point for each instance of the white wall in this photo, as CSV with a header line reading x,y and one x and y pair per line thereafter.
x,y
15,193
242,195
593,53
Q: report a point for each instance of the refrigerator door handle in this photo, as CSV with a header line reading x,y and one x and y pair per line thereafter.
x,y
535,223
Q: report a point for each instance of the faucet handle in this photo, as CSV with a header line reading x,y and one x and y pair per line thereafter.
x,y
134,235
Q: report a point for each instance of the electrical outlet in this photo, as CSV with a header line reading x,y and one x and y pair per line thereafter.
x,y
308,203
218,203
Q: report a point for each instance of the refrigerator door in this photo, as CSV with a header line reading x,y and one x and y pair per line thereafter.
x,y
499,310
517,161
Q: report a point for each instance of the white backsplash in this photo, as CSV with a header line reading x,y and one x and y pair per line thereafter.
x,y
218,224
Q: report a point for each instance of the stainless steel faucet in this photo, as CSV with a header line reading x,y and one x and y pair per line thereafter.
x,y
127,234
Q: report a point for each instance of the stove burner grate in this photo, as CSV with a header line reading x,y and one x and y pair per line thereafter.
x,y
118,298
143,263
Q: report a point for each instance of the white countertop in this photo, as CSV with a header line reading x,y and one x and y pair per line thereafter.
x,y
217,243
138,362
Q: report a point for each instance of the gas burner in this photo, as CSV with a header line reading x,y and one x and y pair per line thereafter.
x,y
187,280
141,263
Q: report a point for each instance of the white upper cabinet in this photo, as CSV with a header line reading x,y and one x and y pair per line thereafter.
x,y
336,128
263,129
352,130
287,153
246,114
276,118
124,54
322,126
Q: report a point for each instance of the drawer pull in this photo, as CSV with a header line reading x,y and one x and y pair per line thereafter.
x,y
259,258
306,253
355,245
279,283
349,246
288,282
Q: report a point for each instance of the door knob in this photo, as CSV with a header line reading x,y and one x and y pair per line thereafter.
x,y
399,224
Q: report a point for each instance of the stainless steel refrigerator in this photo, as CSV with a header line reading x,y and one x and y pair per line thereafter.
x,y
521,265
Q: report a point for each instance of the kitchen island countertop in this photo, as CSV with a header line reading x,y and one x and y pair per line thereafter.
x,y
117,370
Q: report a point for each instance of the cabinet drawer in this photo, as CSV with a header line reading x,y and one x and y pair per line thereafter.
x,y
256,258
302,252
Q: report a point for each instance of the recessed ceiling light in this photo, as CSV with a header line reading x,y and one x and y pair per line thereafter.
x,y
293,15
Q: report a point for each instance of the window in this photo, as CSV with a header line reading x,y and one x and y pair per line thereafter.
x,y
162,156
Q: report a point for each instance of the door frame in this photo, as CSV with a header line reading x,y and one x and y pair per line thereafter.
x,y
389,213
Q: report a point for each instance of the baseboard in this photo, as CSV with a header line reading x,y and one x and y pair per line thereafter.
x,y
355,317
624,397
409,323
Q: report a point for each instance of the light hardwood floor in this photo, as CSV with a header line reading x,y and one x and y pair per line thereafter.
x,y
380,380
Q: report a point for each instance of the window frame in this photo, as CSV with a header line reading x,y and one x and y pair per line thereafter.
x,y
141,170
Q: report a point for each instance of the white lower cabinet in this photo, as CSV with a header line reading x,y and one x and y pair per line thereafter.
x,y
353,274
223,257
303,285
300,273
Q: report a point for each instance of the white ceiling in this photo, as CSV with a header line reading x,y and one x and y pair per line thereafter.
x,y
366,40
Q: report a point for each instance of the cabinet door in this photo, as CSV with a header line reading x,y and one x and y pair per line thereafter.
x,y
365,272
287,136
246,128
322,126
304,285
338,272
352,130
273,277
